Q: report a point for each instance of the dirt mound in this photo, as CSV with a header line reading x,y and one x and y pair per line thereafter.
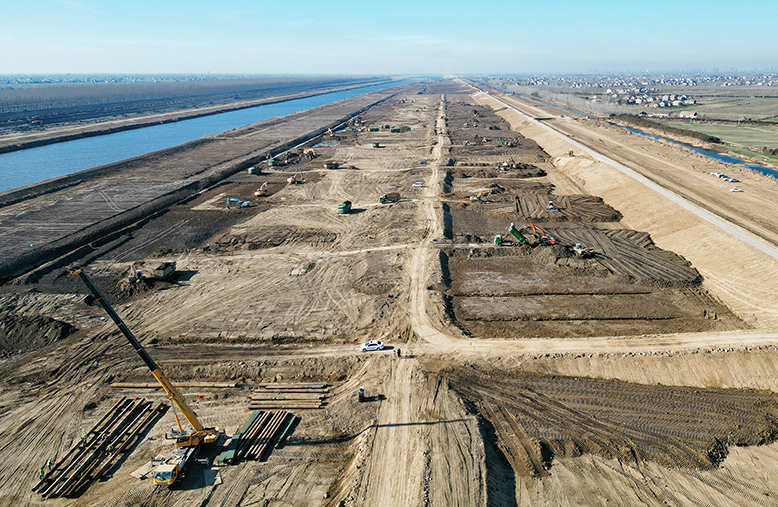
x,y
270,237
538,417
23,333
522,171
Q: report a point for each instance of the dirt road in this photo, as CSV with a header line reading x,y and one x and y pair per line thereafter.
x,y
514,373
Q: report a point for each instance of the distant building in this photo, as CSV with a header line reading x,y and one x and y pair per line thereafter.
x,y
688,114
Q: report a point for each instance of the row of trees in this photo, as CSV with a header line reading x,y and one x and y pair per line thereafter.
x,y
46,96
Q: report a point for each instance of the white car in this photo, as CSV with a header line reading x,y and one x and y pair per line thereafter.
x,y
735,189
371,345
418,184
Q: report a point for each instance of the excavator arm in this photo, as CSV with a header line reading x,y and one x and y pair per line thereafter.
x,y
200,434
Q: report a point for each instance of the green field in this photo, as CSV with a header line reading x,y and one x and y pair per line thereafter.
x,y
743,139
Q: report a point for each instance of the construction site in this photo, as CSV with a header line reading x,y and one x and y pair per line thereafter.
x,y
568,314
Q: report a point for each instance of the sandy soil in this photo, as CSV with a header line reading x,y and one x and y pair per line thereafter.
x,y
515,375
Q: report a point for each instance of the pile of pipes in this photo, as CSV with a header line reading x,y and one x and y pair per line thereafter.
x,y
261,432
99,449
289,396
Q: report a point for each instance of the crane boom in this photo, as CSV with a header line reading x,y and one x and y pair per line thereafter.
x,y
201,434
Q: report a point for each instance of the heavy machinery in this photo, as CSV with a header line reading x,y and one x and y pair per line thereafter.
x,y
481,196
165,270
390,197
262,190
570,153
296,179
344,207
136,274
516,234
189,440
545,239
582,251
240,202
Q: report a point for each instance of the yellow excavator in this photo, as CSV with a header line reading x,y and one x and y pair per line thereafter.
x,y
481,196
187,442
262,190
296,179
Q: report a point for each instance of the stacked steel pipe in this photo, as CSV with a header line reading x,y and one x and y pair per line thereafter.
x,y
97,451
288,396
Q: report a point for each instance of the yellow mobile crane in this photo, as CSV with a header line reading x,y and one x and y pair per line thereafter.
x,y
170,470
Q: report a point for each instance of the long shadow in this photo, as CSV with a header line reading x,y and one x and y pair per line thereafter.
x,y
500,477
347,438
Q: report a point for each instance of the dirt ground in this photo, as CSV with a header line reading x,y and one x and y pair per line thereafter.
x,y
514,374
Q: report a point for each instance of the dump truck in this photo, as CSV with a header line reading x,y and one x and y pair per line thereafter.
x,y
390,197
498,239
344,207
164,270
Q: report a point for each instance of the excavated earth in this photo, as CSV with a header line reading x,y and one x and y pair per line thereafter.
x,y
515,374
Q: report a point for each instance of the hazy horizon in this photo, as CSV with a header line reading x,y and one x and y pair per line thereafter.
x,y
392,38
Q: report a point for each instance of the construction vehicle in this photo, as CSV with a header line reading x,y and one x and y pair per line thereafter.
x,y
570,153
296,179
551,208
262,190
390,197
344,208
581,251
199,435
481,196
255,170
331,165
310,152
240,202
498,239
135,275
545,239
169,471
164,270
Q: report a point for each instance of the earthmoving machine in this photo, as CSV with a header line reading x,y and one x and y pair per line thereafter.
x,y
481,196
570,153
516,234
240,202
545,239
170,471
344,208
582,251
296,179
390,197
135,275
262,190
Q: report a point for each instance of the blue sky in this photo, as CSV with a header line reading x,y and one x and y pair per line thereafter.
x,y
386,37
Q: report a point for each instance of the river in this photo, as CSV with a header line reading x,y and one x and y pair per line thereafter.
x,y
33,165
729,159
